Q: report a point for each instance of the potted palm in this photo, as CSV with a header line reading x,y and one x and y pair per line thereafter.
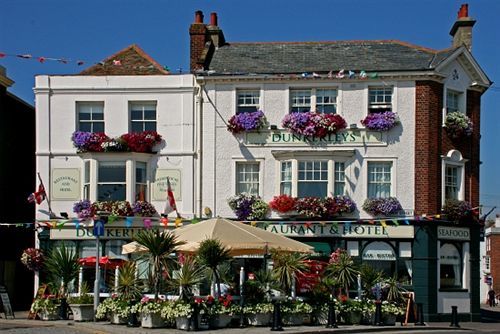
x,y
62,267
82,305
212,254
286,267
128,293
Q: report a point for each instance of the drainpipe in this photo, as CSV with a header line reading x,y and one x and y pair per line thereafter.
x,y
198,156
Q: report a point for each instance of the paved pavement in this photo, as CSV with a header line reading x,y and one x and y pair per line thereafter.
x,y
22,325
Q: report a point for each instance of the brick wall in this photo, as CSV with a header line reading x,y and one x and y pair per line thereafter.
x,y
494,254
198,37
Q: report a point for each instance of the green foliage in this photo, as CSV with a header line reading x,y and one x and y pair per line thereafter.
x,y
394,290
286,266
189,274
369,278
212,254
159,245
129,286
343,270
62,267
254,292
84,297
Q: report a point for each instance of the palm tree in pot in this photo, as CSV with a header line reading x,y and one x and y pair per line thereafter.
x,y
189,274
212,254
342,269
160,246
129,289
286,267
62,267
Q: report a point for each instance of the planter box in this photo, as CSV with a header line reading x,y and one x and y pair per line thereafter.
x,y
221,321
389,319
295,319
152,320
115,319
183,323
259,319
82,312
49,316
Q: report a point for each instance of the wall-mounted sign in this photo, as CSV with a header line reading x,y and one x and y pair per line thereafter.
x,y
160,184
453,233
299,229
65,184
344,138
121,233
379,255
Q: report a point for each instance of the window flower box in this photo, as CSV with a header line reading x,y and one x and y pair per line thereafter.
x,y
383,121
313,124
86,209
248,207
283,205
456,210
382,206
247,121
324,208
457,125
142,142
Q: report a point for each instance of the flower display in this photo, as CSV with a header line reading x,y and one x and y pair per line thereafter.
x,y
141,141
383,121
33,259
247,121
310,207
46,303
457,124
258,308
295,306
116,305
114,208
392,308
100,142
283,203
144,209
149,305
248,207
222,305
84,209
345,204
327,208
382,206
313,124
456,210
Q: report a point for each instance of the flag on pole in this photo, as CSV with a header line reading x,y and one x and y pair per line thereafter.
x,y
38,196
170,206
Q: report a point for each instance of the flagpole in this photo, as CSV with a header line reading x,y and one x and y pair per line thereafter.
x,y
46,195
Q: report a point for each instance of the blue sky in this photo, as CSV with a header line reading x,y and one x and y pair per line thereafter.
x,y
91,30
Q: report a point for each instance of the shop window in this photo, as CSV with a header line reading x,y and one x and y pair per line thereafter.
x,y
312,179
247,178
379,99
142,116
111,184
450,266
90,116
379,179
248,101
381,256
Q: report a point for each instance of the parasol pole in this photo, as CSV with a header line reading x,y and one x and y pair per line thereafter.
x,y
117,273
80,281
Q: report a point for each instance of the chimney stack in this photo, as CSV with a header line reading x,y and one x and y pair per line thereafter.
x,y
462,29
213,19
198,38
214,32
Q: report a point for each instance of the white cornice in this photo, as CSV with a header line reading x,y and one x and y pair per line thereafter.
x,y
124,90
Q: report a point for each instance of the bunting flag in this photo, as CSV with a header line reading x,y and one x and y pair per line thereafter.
x,y
340,75
382,222
178,222
322,223
330,75
195,220
147,223
407,222
371,221
77,223
308,224
351,75
112,218
129,221
395,222
362,75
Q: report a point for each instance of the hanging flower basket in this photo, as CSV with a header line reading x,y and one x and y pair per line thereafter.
x,y
457,125
380,121
248,207
313,124
382,206
456,210
33,259
248,121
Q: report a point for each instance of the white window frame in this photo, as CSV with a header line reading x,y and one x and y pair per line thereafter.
x,y
143,184
313,98
130,177
91,121
382,105
393,162
462,100
239,160
248,102
342,173
454,159
463,272
294,158
487,263
306,169
141,105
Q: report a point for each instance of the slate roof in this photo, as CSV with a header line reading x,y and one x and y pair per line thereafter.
x,y
300,57
130,61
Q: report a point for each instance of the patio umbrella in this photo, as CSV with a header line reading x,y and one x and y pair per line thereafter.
x,y
238,238
104,261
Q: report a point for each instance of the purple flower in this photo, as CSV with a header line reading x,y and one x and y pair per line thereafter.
x,y
83,208
382,206
80,139
248,121
313,124
380,121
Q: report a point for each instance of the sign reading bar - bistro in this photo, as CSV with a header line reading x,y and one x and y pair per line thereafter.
x,y
291,229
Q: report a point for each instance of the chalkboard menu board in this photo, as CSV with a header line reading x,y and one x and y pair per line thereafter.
x,y
4,297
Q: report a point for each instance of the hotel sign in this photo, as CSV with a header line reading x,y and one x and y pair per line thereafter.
x,y
290,229
160,184
65,184
344,138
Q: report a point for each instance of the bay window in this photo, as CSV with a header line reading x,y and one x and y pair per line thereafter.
x,y
312,179
286,178
379,179
111,184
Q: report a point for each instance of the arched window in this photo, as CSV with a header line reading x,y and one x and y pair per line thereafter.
x,y
450,266
381,256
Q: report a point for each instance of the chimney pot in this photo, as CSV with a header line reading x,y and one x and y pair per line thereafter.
x,y
464,11
213,19
198,16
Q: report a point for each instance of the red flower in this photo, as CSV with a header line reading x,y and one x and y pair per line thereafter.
x,y
283,203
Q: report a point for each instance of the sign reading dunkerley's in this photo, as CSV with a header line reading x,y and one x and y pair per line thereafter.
x,y
65,184
347,137
299,229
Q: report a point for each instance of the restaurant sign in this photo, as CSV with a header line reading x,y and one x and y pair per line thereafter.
x,y
346,138
65,184
160,184
453,233
291,229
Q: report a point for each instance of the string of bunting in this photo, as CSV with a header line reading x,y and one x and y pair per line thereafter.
x,y
43,59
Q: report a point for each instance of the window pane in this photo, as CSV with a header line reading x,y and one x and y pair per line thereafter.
x,y
112,172
140,172
248,101
86,127
136,114
84,116
312,178
98,127
150,114
380,99
140,192
450,266
137,127
247,178
379,179
300,100
326,101
306,189
86,177
111,192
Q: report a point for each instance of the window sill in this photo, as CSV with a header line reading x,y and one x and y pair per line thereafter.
x,y
453,290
